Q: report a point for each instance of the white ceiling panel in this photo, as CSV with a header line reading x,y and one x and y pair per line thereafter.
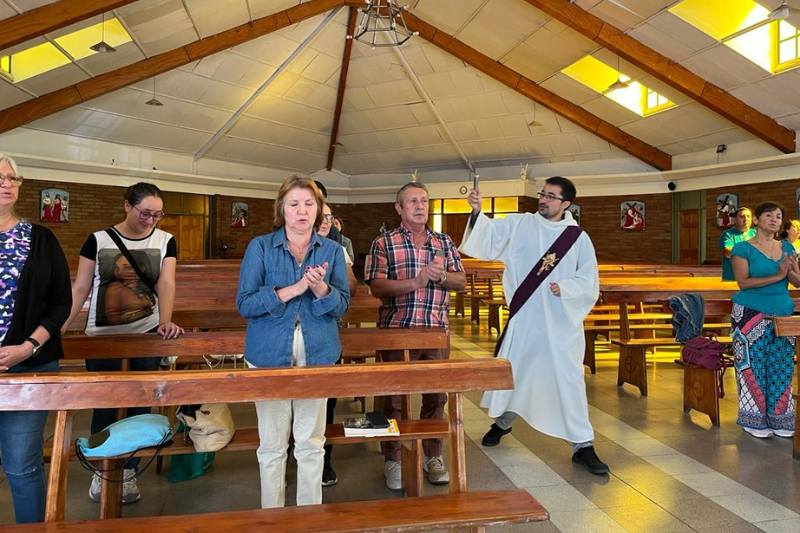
x,y
393,93
775,96
123,130
6,11
617,15
271,49
159,25
728,137
254,153
98,64
440,60
564,143
374,69
317,66
235,69
215,16
465,81
791,121
447,15
500,25
131,103
262,8
184,84
672,36
725,68
54,80
10,95
252,129
357,99
472,107
549,49
684,122
308,92
588,142
383,118
282,111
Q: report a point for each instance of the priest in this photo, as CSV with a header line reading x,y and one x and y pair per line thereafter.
x,y
552,282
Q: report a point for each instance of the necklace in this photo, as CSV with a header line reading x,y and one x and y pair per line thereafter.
x,y
299,250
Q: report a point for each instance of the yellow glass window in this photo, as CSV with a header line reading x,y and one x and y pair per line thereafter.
x,y
720,19
5,66
506,205
78,43
457,205
437,223
435,206
788,44
34,61
598,76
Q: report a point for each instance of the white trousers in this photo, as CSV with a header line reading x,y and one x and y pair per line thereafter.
x,y
305,419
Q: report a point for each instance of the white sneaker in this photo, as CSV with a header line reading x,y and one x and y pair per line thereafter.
x,y
393,471
94,489
437,471
130,490
759,433
788,433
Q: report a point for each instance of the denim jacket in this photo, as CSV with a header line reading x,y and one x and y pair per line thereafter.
x,y
268,265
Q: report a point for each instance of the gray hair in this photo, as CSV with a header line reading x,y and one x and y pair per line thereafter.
x,y
7,159
410,185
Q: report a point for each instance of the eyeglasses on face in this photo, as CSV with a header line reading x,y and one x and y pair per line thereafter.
x,y
327,218
15,181
549,197
144,215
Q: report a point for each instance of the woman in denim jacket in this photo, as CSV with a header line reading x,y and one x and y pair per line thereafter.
x,y
292,288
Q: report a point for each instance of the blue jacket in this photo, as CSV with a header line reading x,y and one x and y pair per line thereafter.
x,y
688,315
268,265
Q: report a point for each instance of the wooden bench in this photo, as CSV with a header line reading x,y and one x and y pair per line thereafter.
x,y
790,326
68,393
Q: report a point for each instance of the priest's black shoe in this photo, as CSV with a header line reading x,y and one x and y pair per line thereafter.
x,y
588,458
493,436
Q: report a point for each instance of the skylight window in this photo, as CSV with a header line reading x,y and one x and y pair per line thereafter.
x,y
635,97
45,57
743,26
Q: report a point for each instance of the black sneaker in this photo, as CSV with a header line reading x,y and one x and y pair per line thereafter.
x,y
493,436
588,458
329,475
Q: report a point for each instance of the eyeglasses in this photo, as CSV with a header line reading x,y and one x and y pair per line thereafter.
x,y
15,181
549,197
144,215
328,218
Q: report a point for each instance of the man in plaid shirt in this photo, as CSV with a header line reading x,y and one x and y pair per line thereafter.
x,y
412,269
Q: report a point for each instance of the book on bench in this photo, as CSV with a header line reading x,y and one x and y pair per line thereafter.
x,y
361,427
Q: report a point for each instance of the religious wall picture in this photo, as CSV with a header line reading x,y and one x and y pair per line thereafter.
x,y
239,215
726,209
54,205
575,211
632,215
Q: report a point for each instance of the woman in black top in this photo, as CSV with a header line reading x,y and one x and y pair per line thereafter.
x,y
35,300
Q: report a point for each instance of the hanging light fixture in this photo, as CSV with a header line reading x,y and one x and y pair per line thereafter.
x,y
783,12
103,47
534,123
154,101
619,84
382,17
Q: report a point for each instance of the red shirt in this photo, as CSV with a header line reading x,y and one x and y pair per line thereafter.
x,y
393,256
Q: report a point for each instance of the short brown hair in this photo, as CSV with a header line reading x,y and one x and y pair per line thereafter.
x,y
297,182
410,185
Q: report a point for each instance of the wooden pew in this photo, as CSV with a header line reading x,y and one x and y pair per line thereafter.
x,y
67,393
790,326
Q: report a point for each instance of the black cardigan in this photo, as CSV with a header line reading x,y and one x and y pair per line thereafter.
x,y
43,297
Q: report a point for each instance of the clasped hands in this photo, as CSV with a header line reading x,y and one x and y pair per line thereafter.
x,y
313,278
788,266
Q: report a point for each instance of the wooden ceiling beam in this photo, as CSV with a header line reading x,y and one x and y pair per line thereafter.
x,y
45,19
337,114
668,71
583,118
40,107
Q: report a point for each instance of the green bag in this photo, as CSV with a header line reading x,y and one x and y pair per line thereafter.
x,y
189,466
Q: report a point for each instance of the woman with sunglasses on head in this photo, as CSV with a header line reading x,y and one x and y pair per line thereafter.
x,y
126,301
35,299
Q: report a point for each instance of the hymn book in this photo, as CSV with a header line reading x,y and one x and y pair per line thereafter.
x,y
361,427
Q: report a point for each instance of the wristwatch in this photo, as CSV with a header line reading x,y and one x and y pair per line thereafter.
x,y
443,278
37,346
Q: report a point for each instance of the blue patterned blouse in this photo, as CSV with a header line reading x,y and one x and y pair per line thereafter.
x,y
15,245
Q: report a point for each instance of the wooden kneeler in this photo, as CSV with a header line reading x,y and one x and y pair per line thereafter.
x,y
700,387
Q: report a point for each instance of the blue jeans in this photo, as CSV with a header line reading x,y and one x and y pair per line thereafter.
x,y
102,418
21,443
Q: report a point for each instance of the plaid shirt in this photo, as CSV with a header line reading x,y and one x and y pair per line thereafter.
x,y
393,256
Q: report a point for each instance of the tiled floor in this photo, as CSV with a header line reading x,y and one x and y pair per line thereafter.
x,y
670,471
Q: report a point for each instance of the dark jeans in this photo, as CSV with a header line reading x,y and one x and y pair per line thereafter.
x,y
102,418
21,443
432,404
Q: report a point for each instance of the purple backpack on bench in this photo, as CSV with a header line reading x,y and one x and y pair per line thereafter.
x,y
707,353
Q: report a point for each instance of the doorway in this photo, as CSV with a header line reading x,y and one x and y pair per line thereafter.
x,y
188,233
689,237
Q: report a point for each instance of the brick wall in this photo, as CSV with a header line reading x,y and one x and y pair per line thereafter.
x,y
749,195
94,207
259,222
91,208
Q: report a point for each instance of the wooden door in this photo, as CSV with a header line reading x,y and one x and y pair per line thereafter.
x,y
454,226
689,237
188,233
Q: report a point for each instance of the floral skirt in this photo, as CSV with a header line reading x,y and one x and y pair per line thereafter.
x,y
764,364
